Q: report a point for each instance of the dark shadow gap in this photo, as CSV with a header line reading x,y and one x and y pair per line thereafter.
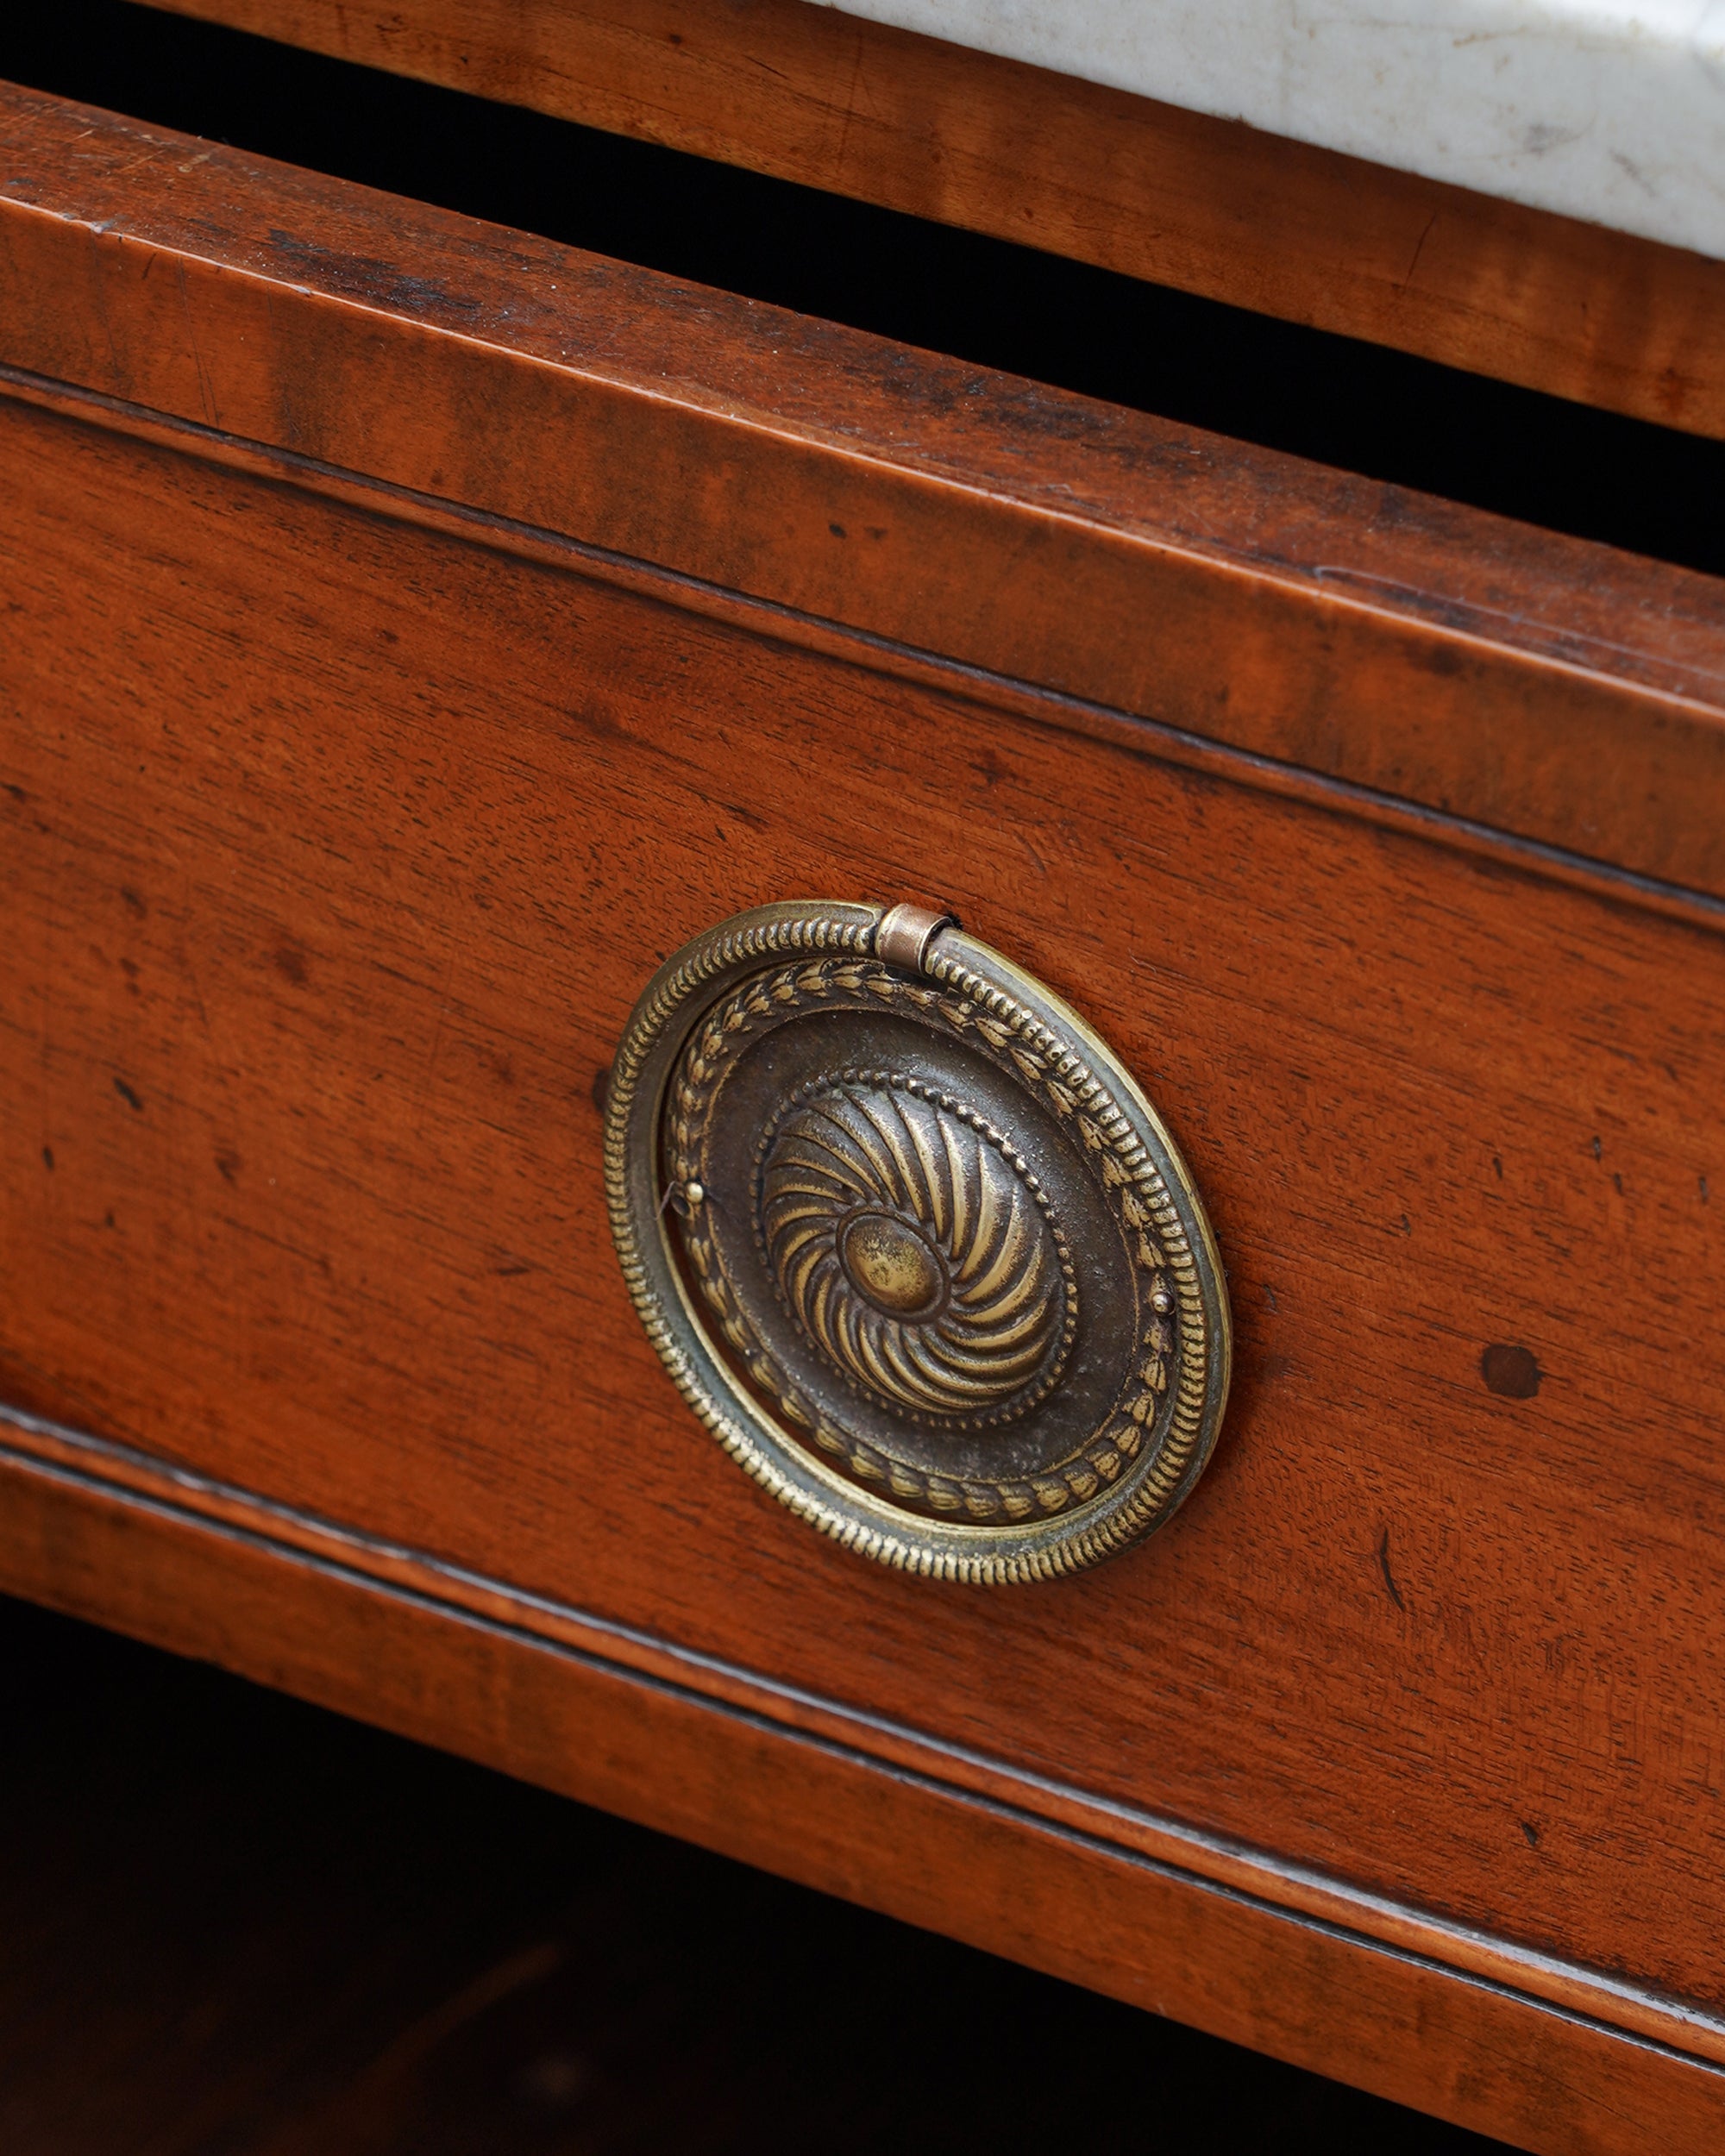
x,y
1197,361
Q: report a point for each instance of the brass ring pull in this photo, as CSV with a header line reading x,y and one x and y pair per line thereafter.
x,y
914,1244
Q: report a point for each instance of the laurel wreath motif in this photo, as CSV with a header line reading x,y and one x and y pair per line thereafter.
x,y
1147,1215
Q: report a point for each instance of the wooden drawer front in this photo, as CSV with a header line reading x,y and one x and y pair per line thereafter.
x,y
343,823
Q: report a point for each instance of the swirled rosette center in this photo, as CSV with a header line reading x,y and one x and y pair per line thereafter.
x,y
916,1250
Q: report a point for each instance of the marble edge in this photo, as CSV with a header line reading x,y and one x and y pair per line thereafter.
x,y
1608,112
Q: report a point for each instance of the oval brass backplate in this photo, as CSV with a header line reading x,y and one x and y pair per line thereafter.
x,y
914,1244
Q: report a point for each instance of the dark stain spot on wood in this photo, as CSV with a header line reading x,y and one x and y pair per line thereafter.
x,y
48,1157
512,1270
109,1221
1389,1576
1497,1163
1407,1225
228,1166
837,530
1598,1149
1617,1182
369,277
16,791
595,720
290,961
1702,1181
126,1094
1511,1372
134,901
601,1087
1270,1297
1531,1832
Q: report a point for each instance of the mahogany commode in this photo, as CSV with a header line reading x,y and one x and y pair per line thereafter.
x,y
418,633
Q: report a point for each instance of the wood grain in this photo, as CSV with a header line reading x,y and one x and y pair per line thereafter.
x,y
1474,2054
453,649
1536,685
334,864
1207,205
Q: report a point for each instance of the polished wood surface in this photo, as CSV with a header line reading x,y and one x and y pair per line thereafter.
x,y
232,1925
324,931
1207,205
346,808
1538,685
359,1193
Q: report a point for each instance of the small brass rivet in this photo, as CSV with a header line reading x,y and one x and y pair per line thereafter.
x,y
1161,1301
694,1193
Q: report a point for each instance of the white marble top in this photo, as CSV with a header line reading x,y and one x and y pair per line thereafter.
x,y
1599,108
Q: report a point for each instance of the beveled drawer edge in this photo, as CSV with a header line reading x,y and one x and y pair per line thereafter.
x,y
1021,700
1297,615
130,1476
1484,2055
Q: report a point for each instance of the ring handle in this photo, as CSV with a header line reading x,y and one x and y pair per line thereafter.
x,y
912,1242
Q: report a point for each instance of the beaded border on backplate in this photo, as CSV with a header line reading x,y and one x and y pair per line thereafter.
x,y
1175,1428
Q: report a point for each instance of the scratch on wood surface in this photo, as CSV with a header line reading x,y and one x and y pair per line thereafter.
x,y
1389,1576
205,393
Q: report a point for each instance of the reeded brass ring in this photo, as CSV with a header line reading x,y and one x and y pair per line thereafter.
x,y
914,1244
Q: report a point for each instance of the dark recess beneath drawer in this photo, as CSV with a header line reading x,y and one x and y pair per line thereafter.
x,y
229,1923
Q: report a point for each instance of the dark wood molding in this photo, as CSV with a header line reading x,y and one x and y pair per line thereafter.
x,y
1136,735
123,1474
815,1808
1533,684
